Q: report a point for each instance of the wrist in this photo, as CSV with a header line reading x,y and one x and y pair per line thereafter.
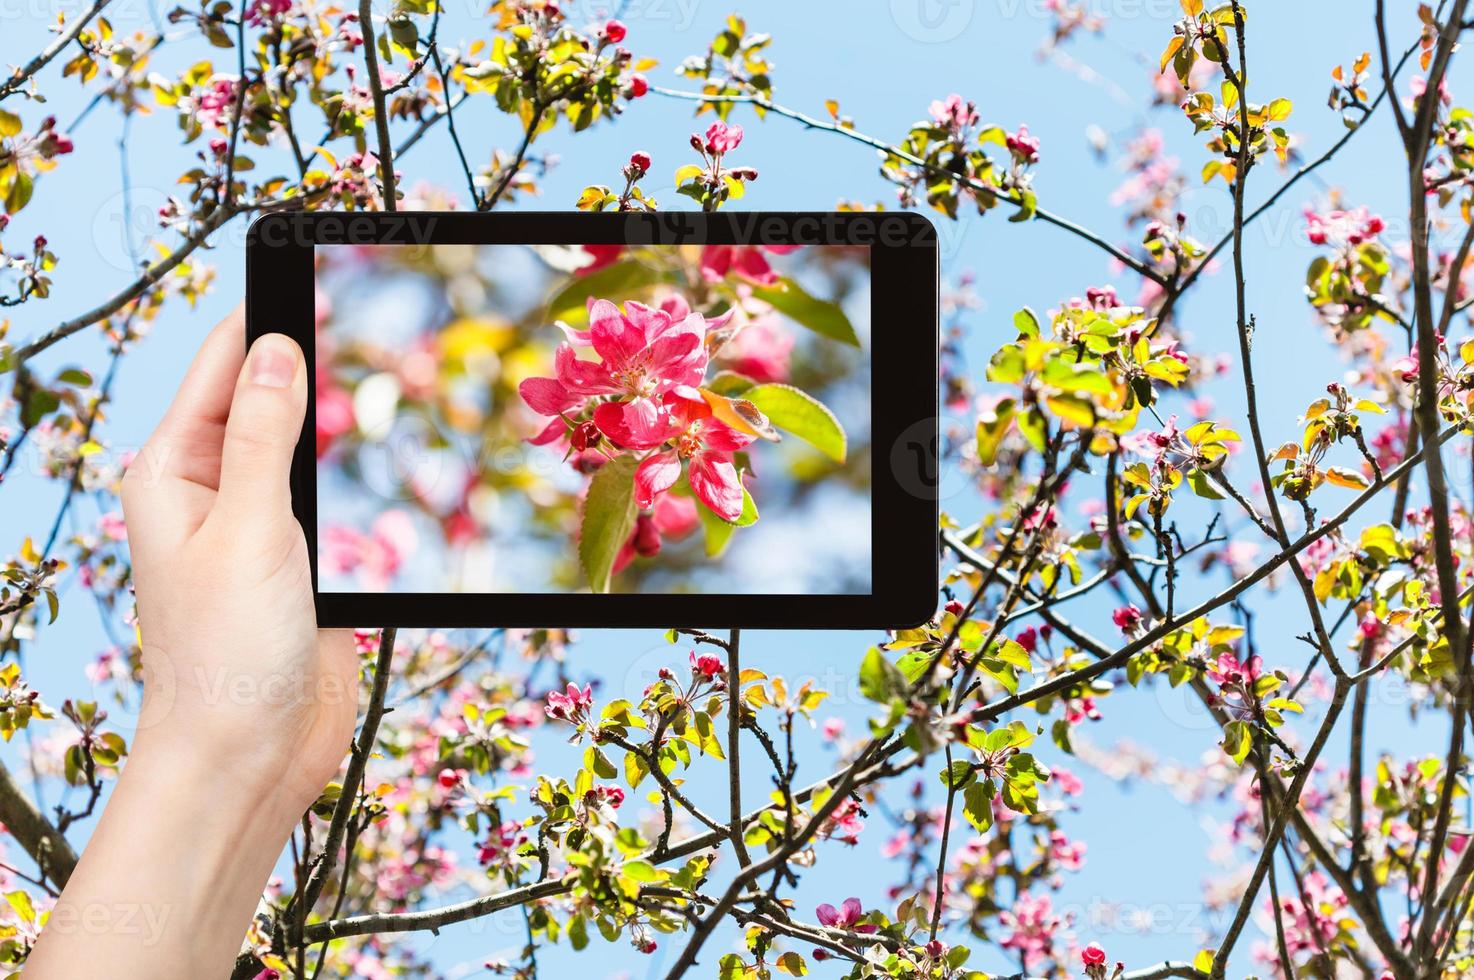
x,y
230,785
184,849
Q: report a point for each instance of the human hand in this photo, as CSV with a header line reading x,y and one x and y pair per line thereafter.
x,y
236,673
248,707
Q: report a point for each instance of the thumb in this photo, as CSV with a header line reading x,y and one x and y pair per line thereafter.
x,y
262,431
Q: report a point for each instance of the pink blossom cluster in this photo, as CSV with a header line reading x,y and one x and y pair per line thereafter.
x,y
643,396
1343,228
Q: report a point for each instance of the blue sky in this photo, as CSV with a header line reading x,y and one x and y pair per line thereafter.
x,y
884,60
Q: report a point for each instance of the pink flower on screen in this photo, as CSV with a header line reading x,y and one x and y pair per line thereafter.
x,y
375,557
760,351
707,665
261,11
745,261
334,414
217,103
672,518
953,113
600,255
643,353
705,443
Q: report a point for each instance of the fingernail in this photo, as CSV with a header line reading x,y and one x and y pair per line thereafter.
x,y
272,367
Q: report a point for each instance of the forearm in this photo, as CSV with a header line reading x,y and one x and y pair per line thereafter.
x,y
168,883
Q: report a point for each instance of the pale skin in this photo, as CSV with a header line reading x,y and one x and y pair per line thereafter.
x,y
248,707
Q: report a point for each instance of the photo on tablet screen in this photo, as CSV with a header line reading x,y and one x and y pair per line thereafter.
x,y
662,419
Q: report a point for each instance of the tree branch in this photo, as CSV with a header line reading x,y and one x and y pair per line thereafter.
x,y
66,37
363,747
149,278
46,845
381,112
809,122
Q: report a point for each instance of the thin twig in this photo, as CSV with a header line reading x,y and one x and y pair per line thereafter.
x,y
363,747
1040,214
67,36
381,112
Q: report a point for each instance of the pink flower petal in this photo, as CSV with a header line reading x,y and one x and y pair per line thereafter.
x,y
827,914
655,475
751,264
715,483
686,405
551,433
679,358
676,516
723,438
675,304
547,396
582,377
638,424
651,323
616,339
715,261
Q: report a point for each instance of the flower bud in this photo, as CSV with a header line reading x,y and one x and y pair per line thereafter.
x,y
647,536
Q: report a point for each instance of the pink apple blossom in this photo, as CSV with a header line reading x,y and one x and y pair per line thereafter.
x,y
705,443
722,138
572,705
844,917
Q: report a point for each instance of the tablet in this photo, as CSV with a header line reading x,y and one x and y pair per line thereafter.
x,y
614,420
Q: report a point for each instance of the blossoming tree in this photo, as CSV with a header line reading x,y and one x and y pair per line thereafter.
x,y
1118,534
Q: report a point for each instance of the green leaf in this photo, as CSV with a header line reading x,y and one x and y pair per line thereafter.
x,y
977,806
821,316
39,403
718,532
609,513
21,903
1026,322
880,679
20,192
619,279
578,933
729,383
792,964
1238,739
635,769
957,775
1202,486
802,415
639,870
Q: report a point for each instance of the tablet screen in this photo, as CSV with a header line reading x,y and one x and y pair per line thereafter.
x,y
502,418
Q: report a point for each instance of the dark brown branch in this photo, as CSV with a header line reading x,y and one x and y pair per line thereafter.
x,y
381,111
363,747
476,908
35,834
734,746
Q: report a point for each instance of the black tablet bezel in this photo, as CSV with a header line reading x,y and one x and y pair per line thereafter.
x,y
904,408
